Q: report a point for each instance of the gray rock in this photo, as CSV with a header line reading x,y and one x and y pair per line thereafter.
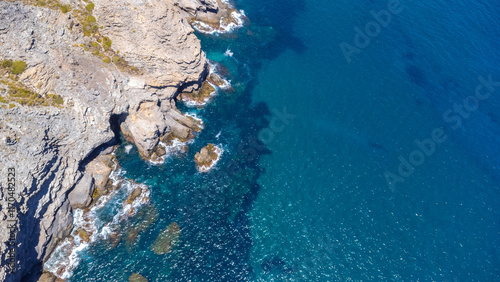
x,y
47,145
81,195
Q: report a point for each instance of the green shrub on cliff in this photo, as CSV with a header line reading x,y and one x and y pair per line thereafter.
x,y
64,8
106,42
89,25
90,19
107,60
14,67
18,67
6,63
57,99
89,7
19,92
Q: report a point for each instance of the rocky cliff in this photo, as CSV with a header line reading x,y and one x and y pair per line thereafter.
x,y
88,69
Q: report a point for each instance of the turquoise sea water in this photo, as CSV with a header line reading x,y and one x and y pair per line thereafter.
x,y
303,196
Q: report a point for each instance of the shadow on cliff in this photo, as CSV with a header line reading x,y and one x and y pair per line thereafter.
x,y
31,267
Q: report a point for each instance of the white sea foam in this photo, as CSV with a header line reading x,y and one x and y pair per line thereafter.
x,y
228,53
128,148
238,16
195,104
66,257
227,83
170,150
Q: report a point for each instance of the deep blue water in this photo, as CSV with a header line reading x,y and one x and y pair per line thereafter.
x,y
305,198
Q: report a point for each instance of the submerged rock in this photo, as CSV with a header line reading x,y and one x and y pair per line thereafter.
x,y
140,224
115,238
136,277
131,236
167,240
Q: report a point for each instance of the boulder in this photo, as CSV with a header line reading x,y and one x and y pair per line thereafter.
x,y
136,277
134,195
100,169
81,195
206,156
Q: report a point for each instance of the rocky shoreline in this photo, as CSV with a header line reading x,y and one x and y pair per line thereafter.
x,y
88,71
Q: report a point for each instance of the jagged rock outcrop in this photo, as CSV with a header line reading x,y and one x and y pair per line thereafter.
x,y
207,157
50,145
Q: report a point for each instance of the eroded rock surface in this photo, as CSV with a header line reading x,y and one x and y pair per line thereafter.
x,y
53,148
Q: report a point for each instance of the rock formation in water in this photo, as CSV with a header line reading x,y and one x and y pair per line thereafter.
x,y
207,157
73,73
136,277
167,240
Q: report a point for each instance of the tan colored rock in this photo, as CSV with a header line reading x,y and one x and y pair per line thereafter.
x,y
136,277
49,277
207,156
100,169
200,96
134,195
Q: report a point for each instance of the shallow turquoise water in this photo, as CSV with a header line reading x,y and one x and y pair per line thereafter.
x,y
309,200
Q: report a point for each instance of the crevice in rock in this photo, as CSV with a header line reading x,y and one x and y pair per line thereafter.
x,y
186,85
114,121
33,266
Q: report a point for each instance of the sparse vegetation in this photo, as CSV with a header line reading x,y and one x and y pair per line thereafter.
x,y
13,67
6,63
106,42
18,67
64,8
19,93
90,7
98,44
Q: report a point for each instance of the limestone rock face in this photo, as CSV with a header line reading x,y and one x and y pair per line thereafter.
x,y
80,196
49,146
156,37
